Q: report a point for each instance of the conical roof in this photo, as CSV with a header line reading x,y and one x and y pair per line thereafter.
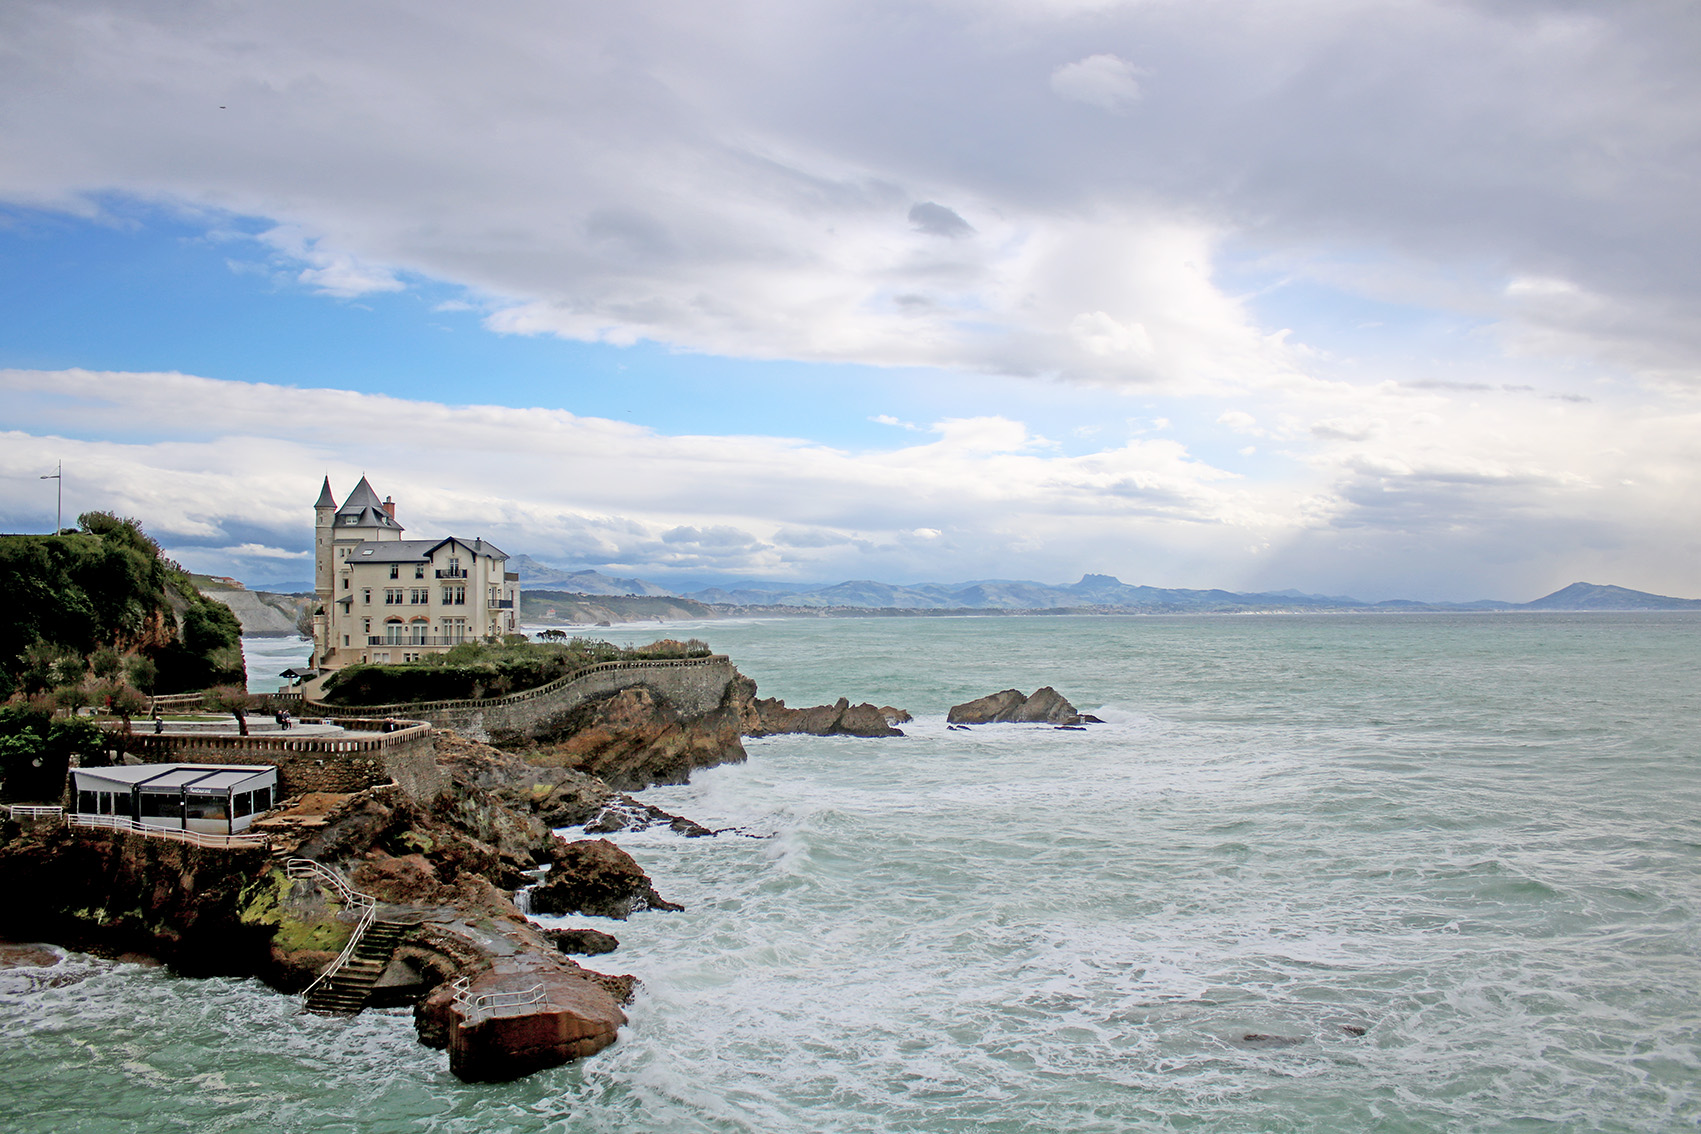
x,y
363,509
326,500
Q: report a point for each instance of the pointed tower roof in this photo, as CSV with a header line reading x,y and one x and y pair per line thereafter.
x,y
363,509
326,500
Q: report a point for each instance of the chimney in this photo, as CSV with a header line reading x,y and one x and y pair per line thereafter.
x,y
390,506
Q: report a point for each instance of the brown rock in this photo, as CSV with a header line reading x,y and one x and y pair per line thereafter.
x,y
595,877
895,716
579,1018
583,942
1046,706
636,737
839,719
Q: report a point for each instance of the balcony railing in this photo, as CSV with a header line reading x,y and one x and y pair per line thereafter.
x,y
427,640
451,572
502,604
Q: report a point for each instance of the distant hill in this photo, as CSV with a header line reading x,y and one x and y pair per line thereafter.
x,y
535,574
1594,596
565,608
1091,593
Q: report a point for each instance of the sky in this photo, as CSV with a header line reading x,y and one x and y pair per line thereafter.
x,y
1385,298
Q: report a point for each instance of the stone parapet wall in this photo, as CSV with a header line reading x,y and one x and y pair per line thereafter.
x,y
315,763
694,686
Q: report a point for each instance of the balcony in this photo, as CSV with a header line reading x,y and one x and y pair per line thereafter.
x,y
427,640
502,604
451,572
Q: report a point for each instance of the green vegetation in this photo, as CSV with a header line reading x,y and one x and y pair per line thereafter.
x,y
104,601
483,669
36,747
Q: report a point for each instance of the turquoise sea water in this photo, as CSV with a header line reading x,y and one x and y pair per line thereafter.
x,y
1478,838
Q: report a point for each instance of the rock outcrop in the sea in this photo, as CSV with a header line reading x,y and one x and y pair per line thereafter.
x,y
1046,706
595,877
770,717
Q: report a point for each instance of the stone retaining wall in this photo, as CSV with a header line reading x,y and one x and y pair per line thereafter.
x,y
695,686
315,763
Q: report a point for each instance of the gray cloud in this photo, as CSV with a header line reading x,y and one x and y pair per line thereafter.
x,y
719,180
937,220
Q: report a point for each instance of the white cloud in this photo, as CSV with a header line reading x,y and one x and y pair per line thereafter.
x,y
1103,80
1450,493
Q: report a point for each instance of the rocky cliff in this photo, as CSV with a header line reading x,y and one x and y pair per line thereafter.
x,y
443,867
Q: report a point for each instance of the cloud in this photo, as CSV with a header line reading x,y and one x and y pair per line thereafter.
x,y
727,182
1385,479
1104,81
938,220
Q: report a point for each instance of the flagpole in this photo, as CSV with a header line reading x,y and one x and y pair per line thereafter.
x,y
59,509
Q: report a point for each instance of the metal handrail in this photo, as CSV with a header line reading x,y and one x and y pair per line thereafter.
x,y
32,811
352,900
474,1009
197,838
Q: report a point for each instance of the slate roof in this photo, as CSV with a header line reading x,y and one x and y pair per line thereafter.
x,y
365,508
326,500
416,550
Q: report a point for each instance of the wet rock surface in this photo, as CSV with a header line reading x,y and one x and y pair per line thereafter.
x,y
1011,706
623,813
771,717
583,942
636,737
595,877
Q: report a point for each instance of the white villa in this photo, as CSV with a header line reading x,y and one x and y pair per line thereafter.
x,y
384,599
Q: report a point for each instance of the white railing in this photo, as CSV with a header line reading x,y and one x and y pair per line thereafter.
x,y
30,811
125,823
476,1009
353,901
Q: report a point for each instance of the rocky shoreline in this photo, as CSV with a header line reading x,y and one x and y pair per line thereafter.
x,y
443,866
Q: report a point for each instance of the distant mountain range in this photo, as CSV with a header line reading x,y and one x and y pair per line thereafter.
x,y
1093,592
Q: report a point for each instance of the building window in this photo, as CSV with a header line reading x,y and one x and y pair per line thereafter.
x,y
419,596
454,596
392,596
366,625
366,595
345,582
345,639
419,571
395,570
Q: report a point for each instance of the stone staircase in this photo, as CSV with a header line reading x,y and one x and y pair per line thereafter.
x,y
350,986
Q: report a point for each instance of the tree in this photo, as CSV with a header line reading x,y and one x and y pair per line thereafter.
x,y
143,674
105,663
36,750
232,699
72,697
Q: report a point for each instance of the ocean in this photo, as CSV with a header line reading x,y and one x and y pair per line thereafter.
x,y
1315,873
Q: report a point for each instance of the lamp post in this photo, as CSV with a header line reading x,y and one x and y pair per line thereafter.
x,y
59,511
